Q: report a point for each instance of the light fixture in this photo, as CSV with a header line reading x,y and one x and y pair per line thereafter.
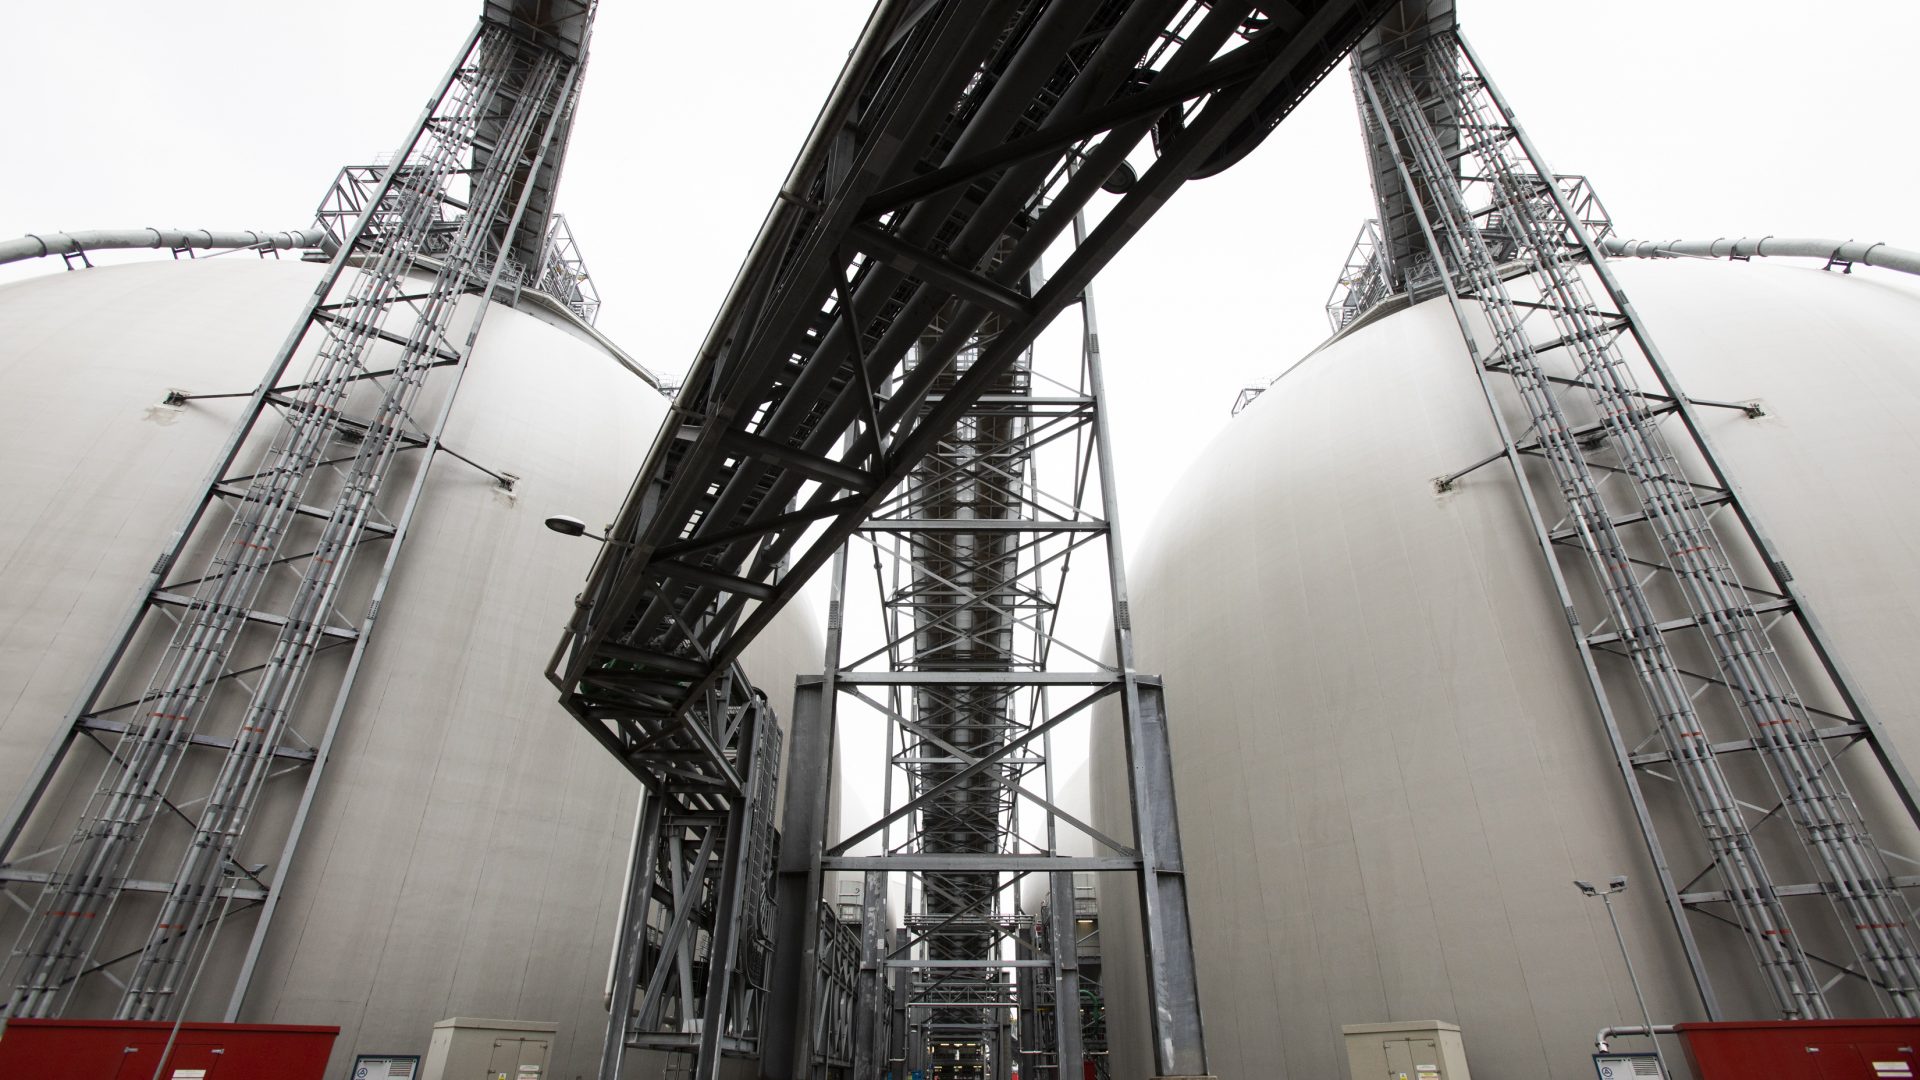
x,y
567,525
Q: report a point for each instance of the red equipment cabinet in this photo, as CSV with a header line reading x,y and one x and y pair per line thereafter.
x,y
1803,1049
130,1050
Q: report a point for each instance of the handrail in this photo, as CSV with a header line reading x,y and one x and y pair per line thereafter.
x,y
36,246
1834,251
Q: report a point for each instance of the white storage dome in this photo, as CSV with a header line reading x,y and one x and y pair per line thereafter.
x,y
1389,767
466,850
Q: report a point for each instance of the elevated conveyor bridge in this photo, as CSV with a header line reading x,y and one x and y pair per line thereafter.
x,y
957,147
875,337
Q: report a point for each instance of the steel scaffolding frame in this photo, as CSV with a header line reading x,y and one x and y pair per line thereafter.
x,y
957,601
969,674
1054,932
563,273
961,142
949,138
1727,668
225,650
694,947
1363,282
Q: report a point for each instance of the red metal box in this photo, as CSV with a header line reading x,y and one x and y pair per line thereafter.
x,y
131,1050
1803,1049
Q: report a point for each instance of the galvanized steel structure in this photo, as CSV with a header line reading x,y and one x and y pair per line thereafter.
x,y
971,674
236,662
866,370
1064,990
1745,707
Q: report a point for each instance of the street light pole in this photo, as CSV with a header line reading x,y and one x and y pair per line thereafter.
x,y
1619,885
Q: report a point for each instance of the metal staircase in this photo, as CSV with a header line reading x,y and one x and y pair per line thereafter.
x,y
1704,645
230,648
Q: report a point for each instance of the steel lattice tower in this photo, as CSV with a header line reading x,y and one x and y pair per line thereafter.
x,y
1744,713
867,370
236,663
972,674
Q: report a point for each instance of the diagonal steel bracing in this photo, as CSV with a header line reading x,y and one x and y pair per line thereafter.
x,y
970,671
241,610
1743,704
870,365
801,413
695,942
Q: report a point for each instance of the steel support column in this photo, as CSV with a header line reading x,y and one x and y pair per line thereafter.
x,y
786,1046
1069,1051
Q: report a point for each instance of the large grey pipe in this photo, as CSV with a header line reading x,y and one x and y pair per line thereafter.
x,y
34,246
1893,258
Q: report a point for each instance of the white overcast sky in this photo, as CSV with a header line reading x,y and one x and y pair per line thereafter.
x,y
1694,119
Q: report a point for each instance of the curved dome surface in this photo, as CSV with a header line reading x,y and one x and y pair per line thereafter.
x,y
1389,767
467,846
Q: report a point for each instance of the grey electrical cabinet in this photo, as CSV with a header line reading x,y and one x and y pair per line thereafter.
x,y
464,1048
1406,1050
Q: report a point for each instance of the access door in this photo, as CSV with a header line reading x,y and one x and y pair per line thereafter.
x,y
1413,1059
518,1059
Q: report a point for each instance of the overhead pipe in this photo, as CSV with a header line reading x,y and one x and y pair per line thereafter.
x,y
1834,251
1607,1034
35,246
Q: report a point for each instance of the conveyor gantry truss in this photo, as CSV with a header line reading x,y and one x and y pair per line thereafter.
x,y
969,671
960,144
215,706
1669,585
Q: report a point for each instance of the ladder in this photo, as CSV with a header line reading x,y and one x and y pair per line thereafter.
x,y
1588,419
244,639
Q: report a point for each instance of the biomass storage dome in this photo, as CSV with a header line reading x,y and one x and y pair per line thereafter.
x,y
465,851
1390,767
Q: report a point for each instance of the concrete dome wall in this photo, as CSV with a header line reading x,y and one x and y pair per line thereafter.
x,y
466,850
1389,767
